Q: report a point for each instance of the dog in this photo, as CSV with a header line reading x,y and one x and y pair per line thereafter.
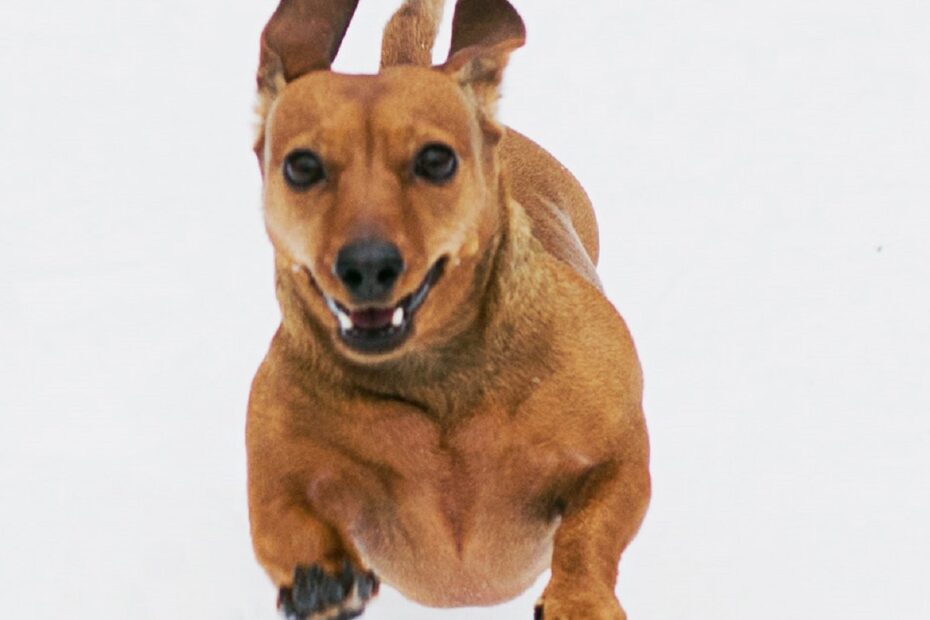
x,y
450,404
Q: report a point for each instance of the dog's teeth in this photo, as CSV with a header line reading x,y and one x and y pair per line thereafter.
x,y
397,319
344,321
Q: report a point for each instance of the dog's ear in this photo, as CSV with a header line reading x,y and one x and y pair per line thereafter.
x,y
484,33
301,36
485,23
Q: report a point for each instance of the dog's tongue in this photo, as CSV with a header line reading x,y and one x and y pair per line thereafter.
x,y
373,318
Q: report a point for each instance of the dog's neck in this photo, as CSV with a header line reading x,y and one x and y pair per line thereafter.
x,y
509,323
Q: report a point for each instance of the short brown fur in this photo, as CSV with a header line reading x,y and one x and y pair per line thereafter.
x,y
505,435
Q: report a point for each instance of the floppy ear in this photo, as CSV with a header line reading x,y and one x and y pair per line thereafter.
x,y
302,36
485,23
484,33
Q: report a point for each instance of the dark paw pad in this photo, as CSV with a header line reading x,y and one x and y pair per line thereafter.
x,y
317,593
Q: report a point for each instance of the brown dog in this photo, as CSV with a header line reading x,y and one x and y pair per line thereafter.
x,y
450,402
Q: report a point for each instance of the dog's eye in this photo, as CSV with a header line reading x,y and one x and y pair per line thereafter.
x,y
303,169
435,163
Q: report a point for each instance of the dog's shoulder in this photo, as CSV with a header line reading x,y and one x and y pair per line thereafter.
x,y
594,351
594,319
284,385
590,404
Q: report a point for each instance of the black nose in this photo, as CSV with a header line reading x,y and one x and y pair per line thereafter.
x,y
369,268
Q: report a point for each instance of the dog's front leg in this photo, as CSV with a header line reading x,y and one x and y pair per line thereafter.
x,y
598,523
317,573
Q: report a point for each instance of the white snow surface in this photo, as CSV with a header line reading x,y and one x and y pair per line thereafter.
x,y
761,172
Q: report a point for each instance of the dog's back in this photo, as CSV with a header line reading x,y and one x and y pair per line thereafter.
x,y
562,216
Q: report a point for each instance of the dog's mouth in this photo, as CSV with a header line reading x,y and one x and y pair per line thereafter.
x,y
377,329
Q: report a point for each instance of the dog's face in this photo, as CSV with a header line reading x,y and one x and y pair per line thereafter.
x,y
381,191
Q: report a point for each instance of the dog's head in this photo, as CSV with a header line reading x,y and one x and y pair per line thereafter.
x,y
382,192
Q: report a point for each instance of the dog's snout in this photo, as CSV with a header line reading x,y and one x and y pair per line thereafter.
x,y
369,268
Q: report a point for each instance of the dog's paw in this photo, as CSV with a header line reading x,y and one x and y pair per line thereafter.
x,y
553,608
318,594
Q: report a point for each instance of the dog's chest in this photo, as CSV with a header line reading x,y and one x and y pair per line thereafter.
x,y
469,512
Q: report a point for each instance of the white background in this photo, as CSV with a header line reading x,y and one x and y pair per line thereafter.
x,y
761,171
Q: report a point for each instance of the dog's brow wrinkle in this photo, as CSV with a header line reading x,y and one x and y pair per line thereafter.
x,y
369,138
